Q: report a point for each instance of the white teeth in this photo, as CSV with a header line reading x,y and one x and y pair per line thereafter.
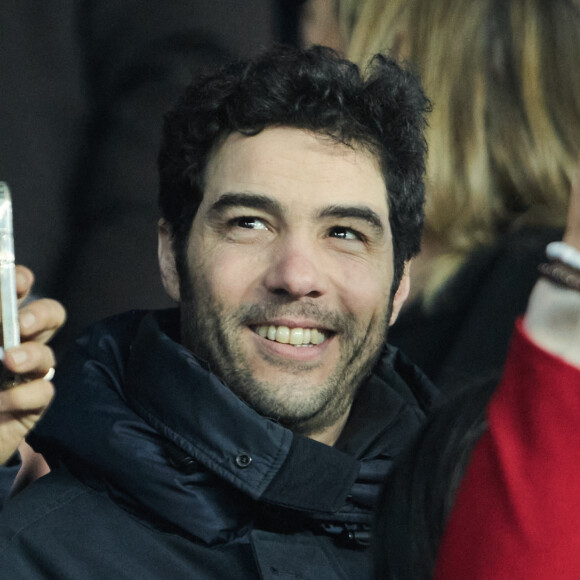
x,y
316,336
294,336
283,334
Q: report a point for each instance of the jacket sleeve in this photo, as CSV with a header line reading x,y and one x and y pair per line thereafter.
x,y
517,510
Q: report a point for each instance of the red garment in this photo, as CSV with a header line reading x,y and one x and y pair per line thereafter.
x,y
517,511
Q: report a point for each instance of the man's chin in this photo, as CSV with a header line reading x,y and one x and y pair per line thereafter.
x,y
303,407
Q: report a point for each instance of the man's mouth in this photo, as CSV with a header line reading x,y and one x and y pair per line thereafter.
x,y
293,336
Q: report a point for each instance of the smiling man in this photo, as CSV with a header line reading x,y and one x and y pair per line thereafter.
x,y
288,220
246,433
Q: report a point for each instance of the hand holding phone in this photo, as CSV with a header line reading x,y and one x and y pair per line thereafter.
x,y
30,363
23,405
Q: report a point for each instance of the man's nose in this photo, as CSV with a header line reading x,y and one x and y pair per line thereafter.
x,y
296,270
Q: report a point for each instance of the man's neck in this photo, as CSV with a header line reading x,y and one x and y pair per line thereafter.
x,y
329,435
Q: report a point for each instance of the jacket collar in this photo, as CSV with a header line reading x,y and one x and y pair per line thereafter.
x,y
166,439
254,454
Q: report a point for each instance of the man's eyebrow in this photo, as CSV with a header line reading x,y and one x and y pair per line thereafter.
x,y
360,212
242,199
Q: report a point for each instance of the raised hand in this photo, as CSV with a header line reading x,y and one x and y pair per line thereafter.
x,y
23,405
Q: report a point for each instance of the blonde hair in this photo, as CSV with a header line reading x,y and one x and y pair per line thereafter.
x,y
504,135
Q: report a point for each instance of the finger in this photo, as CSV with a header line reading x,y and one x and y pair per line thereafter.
x,y
41,319
24,281
27,397
572,234
30,360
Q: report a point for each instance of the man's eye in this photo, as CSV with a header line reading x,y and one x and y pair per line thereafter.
x,y
345,234
250,223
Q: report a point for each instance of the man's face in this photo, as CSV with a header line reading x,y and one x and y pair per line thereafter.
x,y
290,270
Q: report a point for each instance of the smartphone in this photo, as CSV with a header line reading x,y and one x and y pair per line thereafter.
x,y
8,296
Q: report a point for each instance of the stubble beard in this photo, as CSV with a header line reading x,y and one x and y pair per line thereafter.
x,y
214,336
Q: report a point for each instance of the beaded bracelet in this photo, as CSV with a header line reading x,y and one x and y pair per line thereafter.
x,y
561,274
564,253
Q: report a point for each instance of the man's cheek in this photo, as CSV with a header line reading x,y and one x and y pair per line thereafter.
x,y
363,296
234,281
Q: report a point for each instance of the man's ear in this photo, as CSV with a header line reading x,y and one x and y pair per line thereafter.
x,y
166,258
401,294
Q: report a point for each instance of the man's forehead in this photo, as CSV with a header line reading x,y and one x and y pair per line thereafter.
x,y
281,160
309,142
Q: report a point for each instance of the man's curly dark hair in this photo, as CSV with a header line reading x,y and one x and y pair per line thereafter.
x,y
382,110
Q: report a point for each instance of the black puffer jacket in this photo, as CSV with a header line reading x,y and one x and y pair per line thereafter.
x,y
159,471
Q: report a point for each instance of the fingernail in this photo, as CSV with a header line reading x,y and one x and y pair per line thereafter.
x,y
18,355
27,319
20,279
